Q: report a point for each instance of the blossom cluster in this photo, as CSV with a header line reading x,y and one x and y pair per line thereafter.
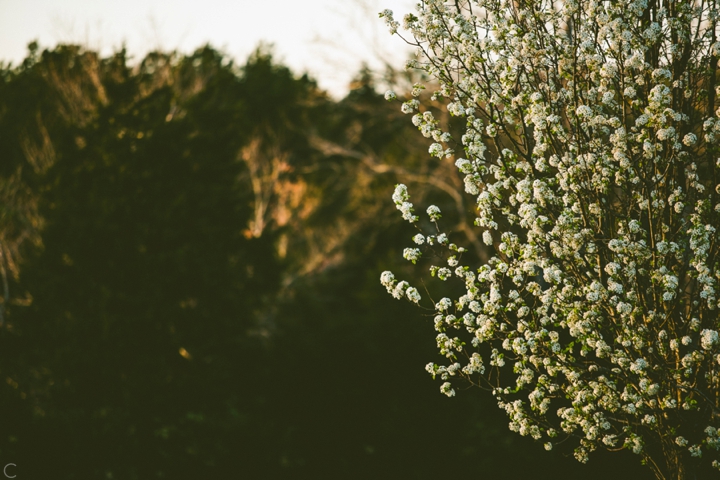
x,y
591,148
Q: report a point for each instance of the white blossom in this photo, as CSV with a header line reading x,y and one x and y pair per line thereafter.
x,y
708,338
583,111
443,304
487,237
447,389
589,151
434,213
689,139
413,295
412,254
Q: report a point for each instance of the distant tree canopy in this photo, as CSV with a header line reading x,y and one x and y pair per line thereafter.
x,y
190,250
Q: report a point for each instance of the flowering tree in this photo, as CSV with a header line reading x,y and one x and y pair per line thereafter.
x,y
591,145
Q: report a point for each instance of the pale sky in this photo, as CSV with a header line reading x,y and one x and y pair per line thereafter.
x,y
327,38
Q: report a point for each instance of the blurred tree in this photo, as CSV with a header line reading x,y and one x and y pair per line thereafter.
x,y
145,286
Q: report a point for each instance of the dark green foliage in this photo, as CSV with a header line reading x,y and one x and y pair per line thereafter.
x,y
169,327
